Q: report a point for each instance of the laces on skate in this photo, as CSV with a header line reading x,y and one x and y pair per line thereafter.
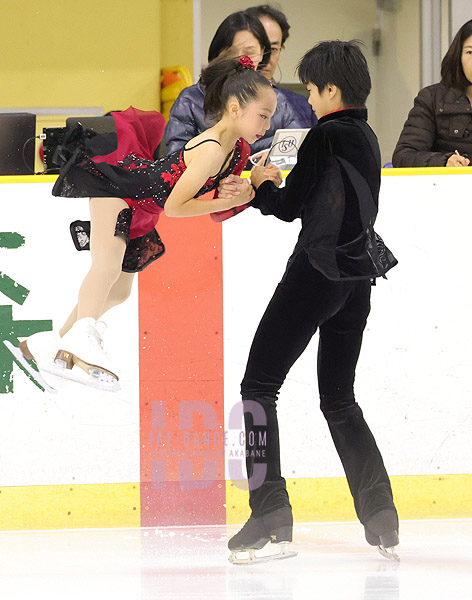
x,y
82,347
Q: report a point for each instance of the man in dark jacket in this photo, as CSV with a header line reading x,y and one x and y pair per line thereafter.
x,y
277,28
334,190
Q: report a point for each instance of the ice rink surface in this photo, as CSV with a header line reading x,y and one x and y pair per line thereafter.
x,y
334,562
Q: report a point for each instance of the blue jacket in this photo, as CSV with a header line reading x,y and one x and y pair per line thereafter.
x,y
188,120
306,115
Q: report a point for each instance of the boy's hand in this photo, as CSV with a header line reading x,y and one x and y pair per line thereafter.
x,y
273,174
259,174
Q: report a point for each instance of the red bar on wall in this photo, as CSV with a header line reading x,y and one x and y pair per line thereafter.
x,y
181,377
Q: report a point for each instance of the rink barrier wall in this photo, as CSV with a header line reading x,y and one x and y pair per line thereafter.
x,y
329,498
118,505
70,506
317,499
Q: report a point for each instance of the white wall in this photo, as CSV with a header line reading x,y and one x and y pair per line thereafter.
x,y
80,435
461,12
413,378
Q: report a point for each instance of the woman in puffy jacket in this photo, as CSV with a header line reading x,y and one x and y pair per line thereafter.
x,y
239,34
438,131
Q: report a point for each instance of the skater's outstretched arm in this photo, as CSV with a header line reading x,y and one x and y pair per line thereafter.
x,y
205,162
287,203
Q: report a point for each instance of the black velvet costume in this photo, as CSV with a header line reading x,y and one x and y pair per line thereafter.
x,y
334,190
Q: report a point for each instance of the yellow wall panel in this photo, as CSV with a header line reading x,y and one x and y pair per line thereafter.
x,y
177,33
329,499
70,506
84,53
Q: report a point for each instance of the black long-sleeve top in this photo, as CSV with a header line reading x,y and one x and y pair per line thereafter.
x,y
334,189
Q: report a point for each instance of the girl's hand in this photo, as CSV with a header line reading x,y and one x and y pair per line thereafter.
x,y
238,191
245,194
456,160
230,186
260,174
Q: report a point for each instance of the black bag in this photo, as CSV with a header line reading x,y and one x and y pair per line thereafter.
x,y
80,232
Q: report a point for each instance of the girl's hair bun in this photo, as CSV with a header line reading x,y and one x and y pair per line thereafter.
x,y
227,78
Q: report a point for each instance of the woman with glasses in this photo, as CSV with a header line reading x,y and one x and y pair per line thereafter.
x,y
240,34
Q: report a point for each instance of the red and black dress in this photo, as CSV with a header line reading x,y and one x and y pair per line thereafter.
x,y
130,172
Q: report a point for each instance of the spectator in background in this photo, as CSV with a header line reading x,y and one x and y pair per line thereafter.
x,y
276,26
438,131
239,34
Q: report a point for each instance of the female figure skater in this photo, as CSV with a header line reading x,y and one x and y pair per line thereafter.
x,y
128,190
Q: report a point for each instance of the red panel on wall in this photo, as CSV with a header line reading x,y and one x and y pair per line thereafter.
x,y
181,377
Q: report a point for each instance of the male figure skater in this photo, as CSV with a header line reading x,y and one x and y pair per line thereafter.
x,y
334,190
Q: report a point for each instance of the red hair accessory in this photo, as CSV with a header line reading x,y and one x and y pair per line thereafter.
x,y
246,63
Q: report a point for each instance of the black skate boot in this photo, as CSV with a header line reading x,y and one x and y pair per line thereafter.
x,y
381,530
275,527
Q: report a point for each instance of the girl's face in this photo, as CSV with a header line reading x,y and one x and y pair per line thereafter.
x,y
246,44
466,58
254,118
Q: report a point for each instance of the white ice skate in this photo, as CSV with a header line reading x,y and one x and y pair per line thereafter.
x,y
81,358
33,354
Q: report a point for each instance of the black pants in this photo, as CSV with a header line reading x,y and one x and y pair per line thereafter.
x,y
304,301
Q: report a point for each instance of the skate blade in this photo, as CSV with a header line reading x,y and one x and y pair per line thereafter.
x,y
29,367
67,360
250,558
389,553
106,383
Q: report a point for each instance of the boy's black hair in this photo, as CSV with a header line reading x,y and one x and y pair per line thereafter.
x,y
239,21
266,10
340,63
224,79
452,73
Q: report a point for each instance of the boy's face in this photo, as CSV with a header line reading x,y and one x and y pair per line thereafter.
x,y
326,101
